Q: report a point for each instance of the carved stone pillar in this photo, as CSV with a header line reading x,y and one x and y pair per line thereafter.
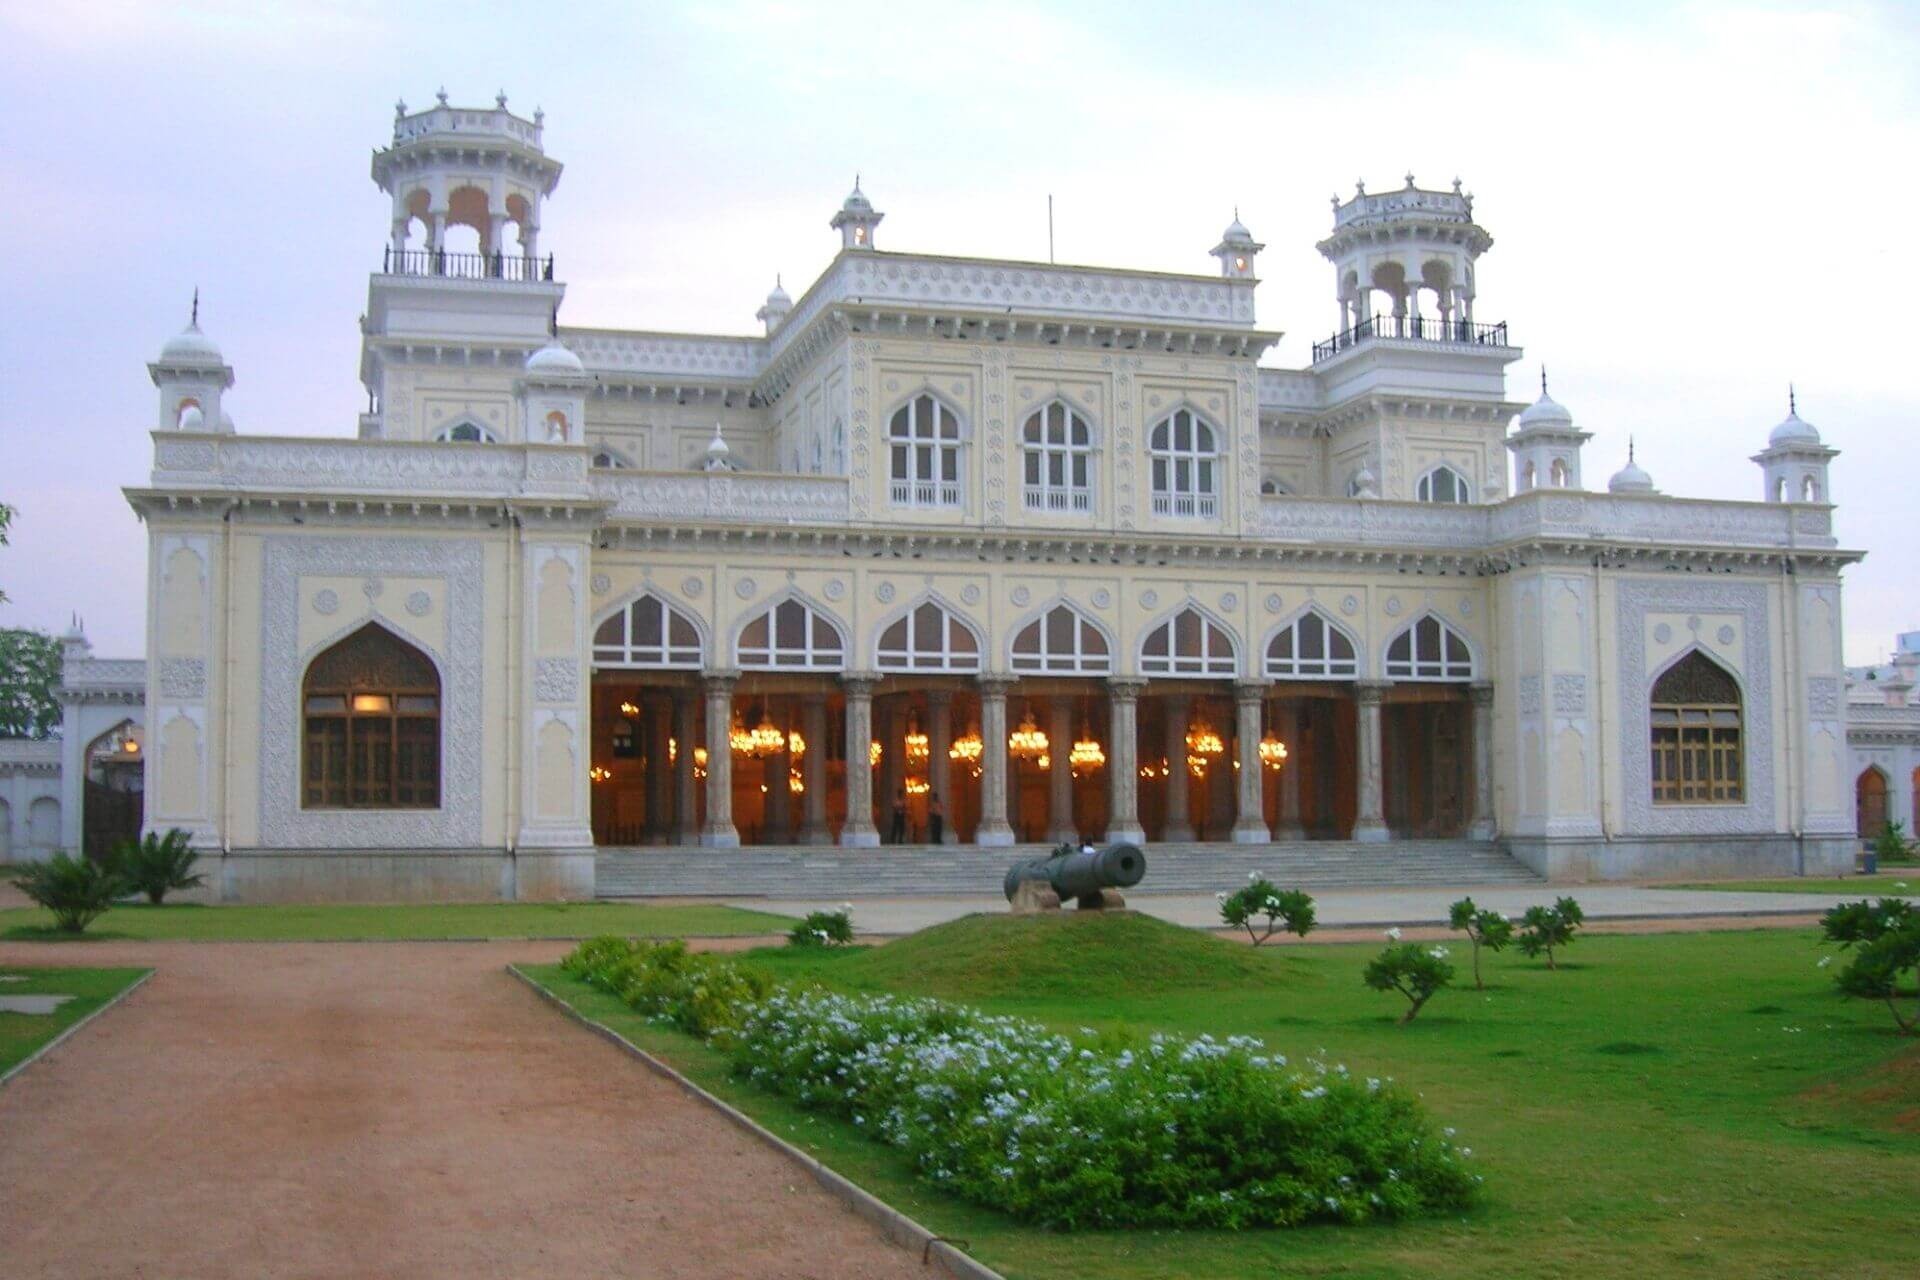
x,y
859,829
994,828
719,831
1123,760
1369,823
1249,822
1482,825
1060,826
659,726
683,797
1179,786
813,770
1287,809
939,741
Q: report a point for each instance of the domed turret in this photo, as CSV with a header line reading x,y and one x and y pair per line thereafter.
x,y
554,358
1793,466
1546,445
190,346
1546,411
857,219
1237,250
191,376
778,306
1793,429
1630,478
552,395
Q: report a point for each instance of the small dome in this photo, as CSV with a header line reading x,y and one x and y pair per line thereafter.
x,y
554,358
190,346
1365,484
1545,412
1630,479
857,201
1794,430
778,298
1236,230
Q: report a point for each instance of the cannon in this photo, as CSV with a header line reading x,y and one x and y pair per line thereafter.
x,y
1092,877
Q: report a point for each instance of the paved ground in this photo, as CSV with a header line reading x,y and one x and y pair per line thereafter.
x,y
396,1109
1351,907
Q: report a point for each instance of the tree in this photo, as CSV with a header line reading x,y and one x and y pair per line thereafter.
x,y
77,890
157,863
1543,929
1414,971
29,676
1483,928
1887,934
1289,909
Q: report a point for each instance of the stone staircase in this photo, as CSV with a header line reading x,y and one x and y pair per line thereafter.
x,y
825,871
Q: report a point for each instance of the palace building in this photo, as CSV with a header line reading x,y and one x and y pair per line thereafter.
x,y
1040,551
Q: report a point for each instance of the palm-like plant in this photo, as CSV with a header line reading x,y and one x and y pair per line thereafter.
x,y
157,864
76,890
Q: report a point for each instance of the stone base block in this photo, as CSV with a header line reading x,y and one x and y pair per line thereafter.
x,y
1031,897
1575,860
388,875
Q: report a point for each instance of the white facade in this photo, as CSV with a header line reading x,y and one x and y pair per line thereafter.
x,y
1096,451
1883,739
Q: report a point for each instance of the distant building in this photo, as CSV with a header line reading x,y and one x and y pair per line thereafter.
x,y
1883,739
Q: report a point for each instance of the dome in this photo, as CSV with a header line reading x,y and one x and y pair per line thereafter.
x,y
190,346
1630,478
554,358
778,298
1236,230
1793,430
1545,412
857,201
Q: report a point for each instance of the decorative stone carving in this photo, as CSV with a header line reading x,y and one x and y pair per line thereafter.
x,y
183,678
692,588
1229,601
1275,603
556,680
884,593
1393,606
745,588
1149,598
418,602
1570,695
372,588
1529,699
1724,635
1823,697
1020,595
1101,597
601,584
1466,606
970,594
1350,605
834,589
1662,633
326,602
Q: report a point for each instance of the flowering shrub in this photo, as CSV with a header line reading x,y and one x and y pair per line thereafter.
x,y
1073,1131
1414,971
1483,928
1544,928
824,928
1290,909
699,993
1887,934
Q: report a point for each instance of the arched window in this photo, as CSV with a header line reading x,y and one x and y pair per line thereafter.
x,y
1429,650
1063,642
1312,648
924,437
1058,445
1442,484
466,432
1694,721
929,639
1869,803
1809,489
1188,644
607,458
1183,450
1558,472
1272,488
791,636
372,713
647,633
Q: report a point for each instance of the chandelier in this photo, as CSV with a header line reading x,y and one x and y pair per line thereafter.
x,y
630,711
1273,752
916,745
1028,742
968,747
795,783
1197,766
1203,741
766,739
874,752
738,738
796,745
673,750
918,786
1150,770
1086,754
699,762
599,773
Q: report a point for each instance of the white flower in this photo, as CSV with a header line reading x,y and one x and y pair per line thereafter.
x,y
1824,962
1438,953
1220,896
1253,876
846,908
1393,934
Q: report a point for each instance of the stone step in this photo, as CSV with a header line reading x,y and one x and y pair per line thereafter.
x,y
900,870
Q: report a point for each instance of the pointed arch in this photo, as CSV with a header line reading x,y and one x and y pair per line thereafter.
x,y
791,633
1312,646
1871,813
608,458
1056,457
370,709
465,430
927,635
1443,484
1060,639
1189,641
1428,648
924,435
649,631
1186,452
1695,722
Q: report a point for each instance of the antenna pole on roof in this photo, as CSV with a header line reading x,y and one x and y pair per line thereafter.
x,y
1049,226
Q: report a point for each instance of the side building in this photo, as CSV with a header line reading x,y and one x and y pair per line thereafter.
x,y
1036,550
1883,737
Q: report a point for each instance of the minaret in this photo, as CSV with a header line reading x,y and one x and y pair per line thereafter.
x,y
1237,250
1388,250
191,375
1546,445
1793,466
778,306
857,219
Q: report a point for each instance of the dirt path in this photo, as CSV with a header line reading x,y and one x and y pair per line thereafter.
x,y
381,1110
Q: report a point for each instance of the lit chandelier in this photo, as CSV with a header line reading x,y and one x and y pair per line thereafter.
x,y
1086,754
599,773
1202,740
874,752
1197,766
968,747
915,742
739,738
1027,742
796,745
766,739
795,783
1273,752
630,711
918,786
673,750
699,762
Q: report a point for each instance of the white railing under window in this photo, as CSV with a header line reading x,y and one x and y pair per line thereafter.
x,y
1042,498
925,493
1200,506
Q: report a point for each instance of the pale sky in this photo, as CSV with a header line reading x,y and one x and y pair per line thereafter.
x,y
1691,204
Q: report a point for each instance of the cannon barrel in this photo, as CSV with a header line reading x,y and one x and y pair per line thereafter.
x,y
1078,875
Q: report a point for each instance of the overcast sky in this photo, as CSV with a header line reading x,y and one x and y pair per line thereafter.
x,y
1691,204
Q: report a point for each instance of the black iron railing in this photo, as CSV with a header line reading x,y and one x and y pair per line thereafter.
x,y
465,266
1422,329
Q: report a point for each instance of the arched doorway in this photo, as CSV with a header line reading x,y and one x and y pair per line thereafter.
x,y
371,705
113,806
1870,802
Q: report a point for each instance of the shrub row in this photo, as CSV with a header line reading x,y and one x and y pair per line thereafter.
x,y
1064,1131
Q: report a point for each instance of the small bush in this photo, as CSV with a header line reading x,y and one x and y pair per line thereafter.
x,y
1545,929
699,993
1483,928
1890,843
156,864
1289,909
1887,937
76,890
1414,971
824,929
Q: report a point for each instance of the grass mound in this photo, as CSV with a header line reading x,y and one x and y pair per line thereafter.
x,y
1064,956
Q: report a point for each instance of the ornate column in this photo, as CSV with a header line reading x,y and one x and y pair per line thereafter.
x,y
1060,825
1179,786
994,828
859,830
656,719
683,799
939,741
1287,825
1481,825
813,770
1369,823
719,832
1249,823
1123,760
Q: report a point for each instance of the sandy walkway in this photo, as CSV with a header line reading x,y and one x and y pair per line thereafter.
x,y
381,1110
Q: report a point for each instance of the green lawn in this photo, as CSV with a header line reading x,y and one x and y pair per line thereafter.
x,y
1677,1105
1897,882
21,1034
424,921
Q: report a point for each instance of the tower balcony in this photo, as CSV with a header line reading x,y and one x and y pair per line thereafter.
x,y
1426,329
510,267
